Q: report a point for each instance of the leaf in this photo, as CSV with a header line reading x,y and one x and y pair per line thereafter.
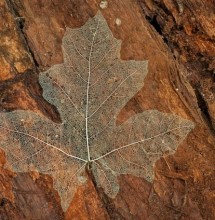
x,y
89,89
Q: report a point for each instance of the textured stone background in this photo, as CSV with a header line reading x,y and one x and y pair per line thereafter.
x,y
177,37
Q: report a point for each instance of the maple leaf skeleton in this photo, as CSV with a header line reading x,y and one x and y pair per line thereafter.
x,y
89,89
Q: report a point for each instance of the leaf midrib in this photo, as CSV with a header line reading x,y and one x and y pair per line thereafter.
x,y
87,95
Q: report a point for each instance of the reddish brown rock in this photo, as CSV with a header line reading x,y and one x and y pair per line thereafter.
x,y
184,182
14,55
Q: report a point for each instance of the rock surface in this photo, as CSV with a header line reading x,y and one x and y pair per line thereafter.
x,y
177,38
